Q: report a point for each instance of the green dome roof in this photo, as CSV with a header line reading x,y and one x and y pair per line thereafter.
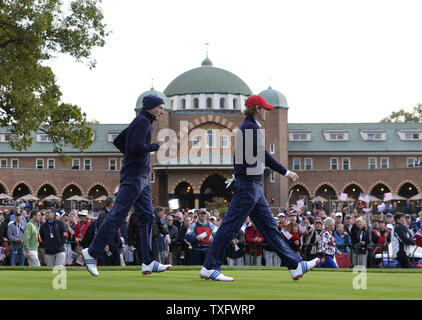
x,y
207,79
275,98
154,92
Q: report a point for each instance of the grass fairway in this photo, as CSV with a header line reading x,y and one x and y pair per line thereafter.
x,y
183,283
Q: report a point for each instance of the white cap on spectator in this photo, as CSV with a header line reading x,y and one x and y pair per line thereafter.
x,y
83,213
339,214
390,226
281,214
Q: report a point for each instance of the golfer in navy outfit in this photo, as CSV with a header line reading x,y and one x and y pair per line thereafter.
x,y
134,191
249,199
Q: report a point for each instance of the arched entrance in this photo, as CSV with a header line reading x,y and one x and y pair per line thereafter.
x,y
379,190
45,191
298,192
326,191
20,191
184,192
353,191
408,190
2,188
214,187
97,191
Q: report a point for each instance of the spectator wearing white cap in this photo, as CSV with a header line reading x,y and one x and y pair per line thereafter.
x,y
338,219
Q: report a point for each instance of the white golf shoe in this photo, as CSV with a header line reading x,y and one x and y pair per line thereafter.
x,y
155,266
214,274
90,262
302,268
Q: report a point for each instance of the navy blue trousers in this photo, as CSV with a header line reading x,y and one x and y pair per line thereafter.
x,y
133,192
249,200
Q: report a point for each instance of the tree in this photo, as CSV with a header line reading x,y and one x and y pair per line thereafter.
x,y
404,116
31,33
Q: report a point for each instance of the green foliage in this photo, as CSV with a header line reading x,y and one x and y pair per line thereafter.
x,y
31,33
404,116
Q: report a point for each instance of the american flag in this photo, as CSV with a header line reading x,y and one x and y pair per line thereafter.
x,y
417,163
299,205
342,196
302,227
70,256
388,196
364,198
286,233
80,261
2,253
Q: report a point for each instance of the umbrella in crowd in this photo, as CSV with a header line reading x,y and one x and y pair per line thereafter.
x,y
375,199
319,199
4,196
416,197
397,197
77,198
102,198
52,198
28,197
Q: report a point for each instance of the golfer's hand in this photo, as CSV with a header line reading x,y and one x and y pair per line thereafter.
x,y
160,143
293,176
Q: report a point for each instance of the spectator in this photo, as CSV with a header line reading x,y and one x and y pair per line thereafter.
x,y
270,256
80,228
159,228
313,240
31,239
185,247
70,233
174,235
400,240
234,252
111,253
178,220
200,235
295,242
128,256
53,234
327,245
307,237
253,248
281,221
343,240
418,223
389,218
380,236
348,223
360,239
338,218
15,231
134,240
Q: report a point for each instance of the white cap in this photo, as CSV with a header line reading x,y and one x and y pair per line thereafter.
x,y
281,214
83,213
339,214
389,226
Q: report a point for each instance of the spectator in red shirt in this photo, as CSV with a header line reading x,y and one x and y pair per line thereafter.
x,y
295,241
81,226
253,237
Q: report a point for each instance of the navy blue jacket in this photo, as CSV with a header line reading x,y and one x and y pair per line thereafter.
x,y
241,168
135,143
59,230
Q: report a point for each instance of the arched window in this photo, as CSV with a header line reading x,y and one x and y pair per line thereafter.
x,y
196,103
222,103
183,103
209,103
234,103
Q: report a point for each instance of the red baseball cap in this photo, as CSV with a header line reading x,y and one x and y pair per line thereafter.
x,y
258,101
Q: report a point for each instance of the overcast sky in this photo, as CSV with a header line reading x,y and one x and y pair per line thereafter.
x,y
334,60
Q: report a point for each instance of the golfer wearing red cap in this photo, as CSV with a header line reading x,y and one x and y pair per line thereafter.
x,y
249,199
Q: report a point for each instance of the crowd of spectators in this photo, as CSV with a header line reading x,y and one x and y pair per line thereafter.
x,y
182,237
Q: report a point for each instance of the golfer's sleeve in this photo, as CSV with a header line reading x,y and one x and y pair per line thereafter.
x,y
272,163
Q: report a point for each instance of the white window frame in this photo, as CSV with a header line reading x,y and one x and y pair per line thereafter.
x,y
388,162
304,164
272,176
375,162
73,162
43,138
299,136
1,163
350,163
90,164
48,164
294,164
411,160
11,163
36,164
115,164
331,164
112,136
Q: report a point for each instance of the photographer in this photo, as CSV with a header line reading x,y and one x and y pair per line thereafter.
x,y
401,239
